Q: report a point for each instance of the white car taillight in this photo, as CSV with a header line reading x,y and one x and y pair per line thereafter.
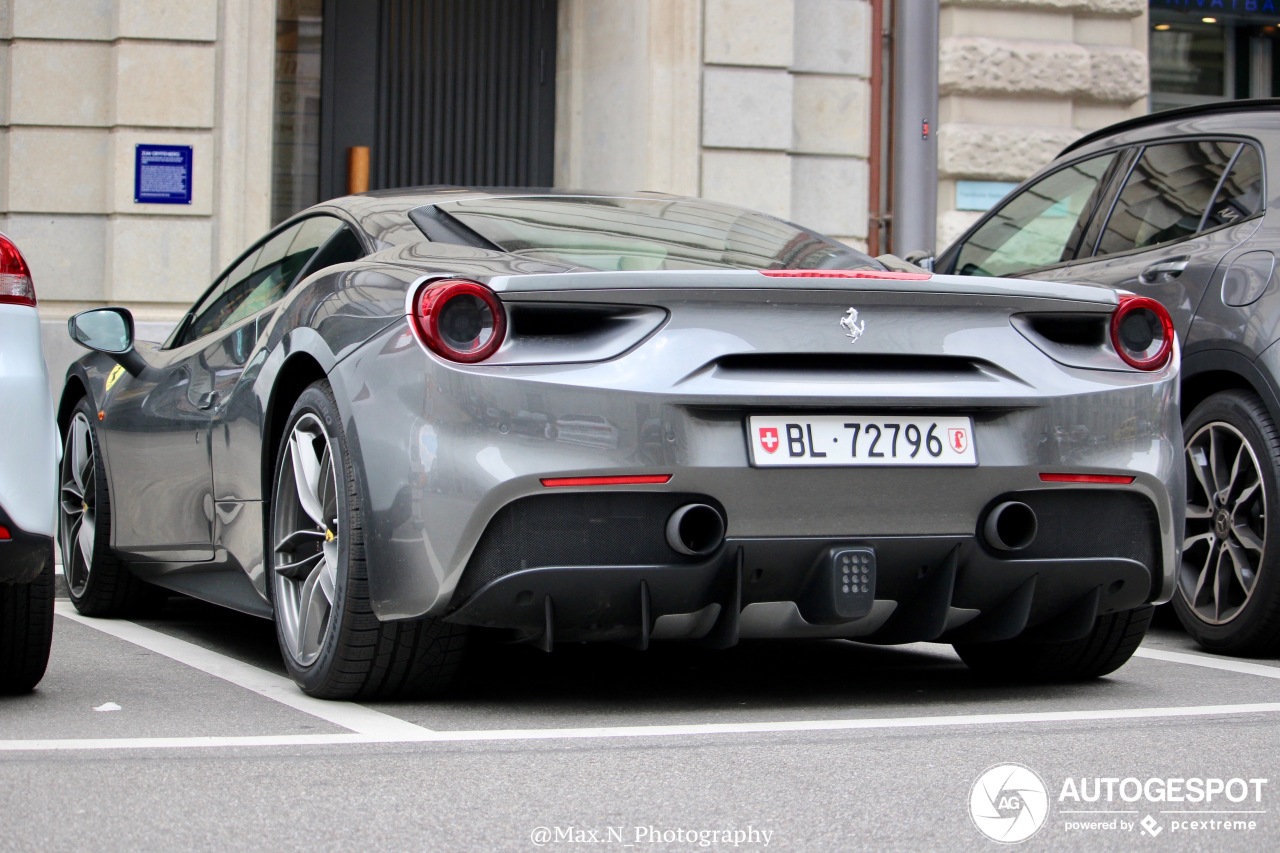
x,y
15,278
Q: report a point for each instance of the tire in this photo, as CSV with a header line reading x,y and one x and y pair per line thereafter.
x,y
98,583
333,645
1113,640
26,629
1228,596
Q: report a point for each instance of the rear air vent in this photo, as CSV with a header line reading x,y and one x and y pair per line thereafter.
x,y
1086,330
786,367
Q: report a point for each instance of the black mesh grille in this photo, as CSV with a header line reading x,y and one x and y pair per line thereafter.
x,y
578,529
1092,523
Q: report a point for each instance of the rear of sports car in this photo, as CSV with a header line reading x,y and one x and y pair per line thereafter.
x,y
710,455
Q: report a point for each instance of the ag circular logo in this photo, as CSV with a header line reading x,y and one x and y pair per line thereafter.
x,y
1009,803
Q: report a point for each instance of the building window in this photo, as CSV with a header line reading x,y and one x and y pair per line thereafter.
x,y
295,162
1204,52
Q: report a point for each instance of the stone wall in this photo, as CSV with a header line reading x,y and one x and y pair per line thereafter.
x,y
763,103
82,82
1020,79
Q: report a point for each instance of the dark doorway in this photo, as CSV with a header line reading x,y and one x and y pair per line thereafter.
x,y
441,91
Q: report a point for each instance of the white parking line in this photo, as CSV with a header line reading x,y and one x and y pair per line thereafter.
x,y
367,726
609,732
1225,664
356,718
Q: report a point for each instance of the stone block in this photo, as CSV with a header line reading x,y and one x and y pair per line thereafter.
x,y
1118,74
1118,8
977,66
1001,22
830,115
829,194
67,254
164,85
63,19
58,170
998,153
174,20
748,32
159,259
1109,31
6,73
833,37
746,108
60,83
124,145
757,180
987,109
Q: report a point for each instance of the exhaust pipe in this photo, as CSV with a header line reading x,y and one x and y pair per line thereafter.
x,y
695,529
1010,526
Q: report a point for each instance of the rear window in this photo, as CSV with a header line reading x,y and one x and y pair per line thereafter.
x,y
610,234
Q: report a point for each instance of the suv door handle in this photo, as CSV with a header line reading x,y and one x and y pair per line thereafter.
x,y
1163,271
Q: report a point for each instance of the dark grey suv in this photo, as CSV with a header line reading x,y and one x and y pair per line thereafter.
x,y
1182,206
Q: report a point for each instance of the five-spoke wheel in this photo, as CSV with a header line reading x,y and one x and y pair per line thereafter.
x,y
1227,592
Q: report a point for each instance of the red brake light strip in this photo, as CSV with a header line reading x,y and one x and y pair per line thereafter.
x,y
1100,479
625,480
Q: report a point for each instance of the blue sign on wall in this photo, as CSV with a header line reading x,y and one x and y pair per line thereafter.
x,y
980,195
162,174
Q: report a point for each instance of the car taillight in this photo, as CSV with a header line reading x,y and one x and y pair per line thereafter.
x,y
15,278
1142,332
459,320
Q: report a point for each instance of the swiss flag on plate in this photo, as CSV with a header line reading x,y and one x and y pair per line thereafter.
x,y
769,439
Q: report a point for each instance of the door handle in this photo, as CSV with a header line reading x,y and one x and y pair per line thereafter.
x,y
1163,271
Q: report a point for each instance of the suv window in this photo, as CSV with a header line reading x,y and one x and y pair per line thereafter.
x,y
1240,195
1166,194
1040,226
263,275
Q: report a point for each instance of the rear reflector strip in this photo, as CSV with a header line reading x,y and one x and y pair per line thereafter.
x,y
4,534
1102,479
629,480
882,274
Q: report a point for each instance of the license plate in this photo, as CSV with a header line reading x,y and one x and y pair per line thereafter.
x,y
815,440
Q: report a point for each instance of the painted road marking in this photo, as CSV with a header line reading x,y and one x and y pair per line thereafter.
x,y
608,732
356,718
1225,664
367,726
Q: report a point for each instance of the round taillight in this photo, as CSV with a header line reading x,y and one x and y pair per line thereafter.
x,y
459,320
1142,332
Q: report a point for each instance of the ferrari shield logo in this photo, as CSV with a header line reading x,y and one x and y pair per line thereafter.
x,y
769,439
959,439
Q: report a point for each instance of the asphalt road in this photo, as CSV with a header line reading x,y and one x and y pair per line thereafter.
x,y
182,732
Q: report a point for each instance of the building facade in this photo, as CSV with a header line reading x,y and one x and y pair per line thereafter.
x,y
779,105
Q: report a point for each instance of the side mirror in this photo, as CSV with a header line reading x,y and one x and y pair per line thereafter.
x,y
109,331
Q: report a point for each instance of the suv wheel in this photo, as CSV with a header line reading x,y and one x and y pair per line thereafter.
x,y
1228,596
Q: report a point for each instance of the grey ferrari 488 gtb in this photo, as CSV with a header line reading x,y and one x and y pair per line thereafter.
x,y
406,416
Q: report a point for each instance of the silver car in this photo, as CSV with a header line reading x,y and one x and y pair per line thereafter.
x,y
404,417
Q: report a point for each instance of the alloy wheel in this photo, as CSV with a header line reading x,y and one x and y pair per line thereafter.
x,y
305,540
77,516
1224,546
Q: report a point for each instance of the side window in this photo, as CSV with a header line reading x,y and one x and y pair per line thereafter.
x,y
1040,226
1240,195
1166,194
262,277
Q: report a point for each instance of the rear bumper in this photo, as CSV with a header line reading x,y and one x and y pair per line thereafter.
x,y
919,588
23,555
